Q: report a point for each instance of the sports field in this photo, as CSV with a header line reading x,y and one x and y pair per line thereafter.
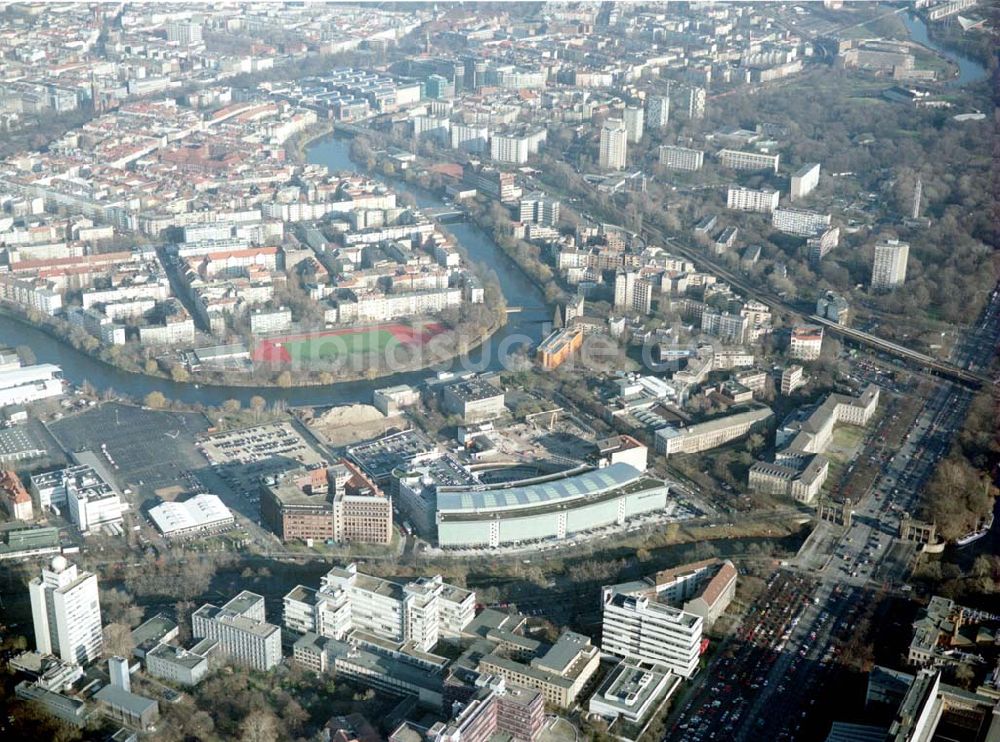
x,y
327,345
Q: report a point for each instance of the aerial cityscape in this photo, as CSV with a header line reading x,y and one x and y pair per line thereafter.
x,y
500,371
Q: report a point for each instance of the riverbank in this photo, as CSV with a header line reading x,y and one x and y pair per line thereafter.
x,y
98,354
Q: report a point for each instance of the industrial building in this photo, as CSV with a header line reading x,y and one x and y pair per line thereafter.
x,y
474,400
202,513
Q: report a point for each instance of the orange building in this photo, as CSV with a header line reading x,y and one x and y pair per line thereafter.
x,y
559,346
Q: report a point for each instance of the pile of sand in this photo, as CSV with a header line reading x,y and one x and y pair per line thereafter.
x,y
347,424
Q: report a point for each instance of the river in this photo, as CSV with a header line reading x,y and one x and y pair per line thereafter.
x,y
969,70
334,152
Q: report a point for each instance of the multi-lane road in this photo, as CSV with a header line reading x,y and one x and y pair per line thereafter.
x,y
789,662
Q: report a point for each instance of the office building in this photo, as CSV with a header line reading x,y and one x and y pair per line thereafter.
x,y
125,707
763,201
485,708
800,222
681,158
186,667
339,504
632,690
711,434
800,477
491,182
66,613
806,342
804,181
439,87
704,588
889,264
243,634
419,611
559,672
537,208
739,160
474,400
634,123
614,145
658,111
650,630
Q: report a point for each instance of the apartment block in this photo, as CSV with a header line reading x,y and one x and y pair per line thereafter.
x,y
889,264
735,159
470,138
658,111
804,181
806,342
614,145
634,120
747,199
819,246
681,158
792,378
800,222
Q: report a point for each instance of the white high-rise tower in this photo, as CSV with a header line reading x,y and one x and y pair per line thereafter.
x,y
918,191
66,612
614,143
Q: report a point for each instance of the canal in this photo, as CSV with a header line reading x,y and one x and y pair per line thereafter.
x,y
969,70
334,152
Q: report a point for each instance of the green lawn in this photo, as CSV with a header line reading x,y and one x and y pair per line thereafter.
x,y
327,348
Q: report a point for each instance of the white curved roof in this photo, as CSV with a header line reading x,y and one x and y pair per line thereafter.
x,y
532,495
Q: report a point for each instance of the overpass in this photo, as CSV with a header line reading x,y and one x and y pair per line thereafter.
x,y
942,368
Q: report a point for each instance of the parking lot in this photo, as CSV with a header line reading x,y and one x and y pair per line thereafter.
x,y
150,451
721,706
243,457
